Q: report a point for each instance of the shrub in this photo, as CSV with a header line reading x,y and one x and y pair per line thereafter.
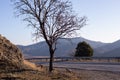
x,y
83,49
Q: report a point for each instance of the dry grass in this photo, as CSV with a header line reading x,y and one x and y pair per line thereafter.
x,y
34,72
60,74
39,75
31,65
96,60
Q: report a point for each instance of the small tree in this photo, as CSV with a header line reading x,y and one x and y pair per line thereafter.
x,y
51,20
83,50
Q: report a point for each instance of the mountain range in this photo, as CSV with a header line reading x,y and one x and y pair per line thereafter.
x,y
108,50
66,47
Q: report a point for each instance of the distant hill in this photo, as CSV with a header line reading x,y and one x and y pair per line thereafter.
x,y
112,53
65,47
108,50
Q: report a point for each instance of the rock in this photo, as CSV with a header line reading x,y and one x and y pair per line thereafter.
x,y
10,56
69,70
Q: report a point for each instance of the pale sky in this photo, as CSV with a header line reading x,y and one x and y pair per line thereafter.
x,y
103,21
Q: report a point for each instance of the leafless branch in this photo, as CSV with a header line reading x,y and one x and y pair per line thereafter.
x,y
51,19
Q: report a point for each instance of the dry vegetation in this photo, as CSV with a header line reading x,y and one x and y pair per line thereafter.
x,y
41,73
14,67
99,60
37,73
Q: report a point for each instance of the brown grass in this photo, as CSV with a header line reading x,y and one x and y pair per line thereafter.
x,y
60,74
31,65
41,73
33,72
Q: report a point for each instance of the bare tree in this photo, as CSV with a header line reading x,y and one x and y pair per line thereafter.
x,y
51,20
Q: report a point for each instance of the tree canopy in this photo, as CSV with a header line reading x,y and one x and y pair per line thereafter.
x,y
83,49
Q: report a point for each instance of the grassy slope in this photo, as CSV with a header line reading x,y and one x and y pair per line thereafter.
x,y
33,72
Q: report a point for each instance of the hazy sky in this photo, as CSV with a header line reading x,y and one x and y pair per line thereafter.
x,y
103,21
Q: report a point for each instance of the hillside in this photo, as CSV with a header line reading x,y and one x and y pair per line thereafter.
x,y
112,53
109,50
12,63
10,56
64,47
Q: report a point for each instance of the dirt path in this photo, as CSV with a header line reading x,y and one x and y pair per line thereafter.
x,y
96,75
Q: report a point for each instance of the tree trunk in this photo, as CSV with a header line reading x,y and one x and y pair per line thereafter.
x,y
51,60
